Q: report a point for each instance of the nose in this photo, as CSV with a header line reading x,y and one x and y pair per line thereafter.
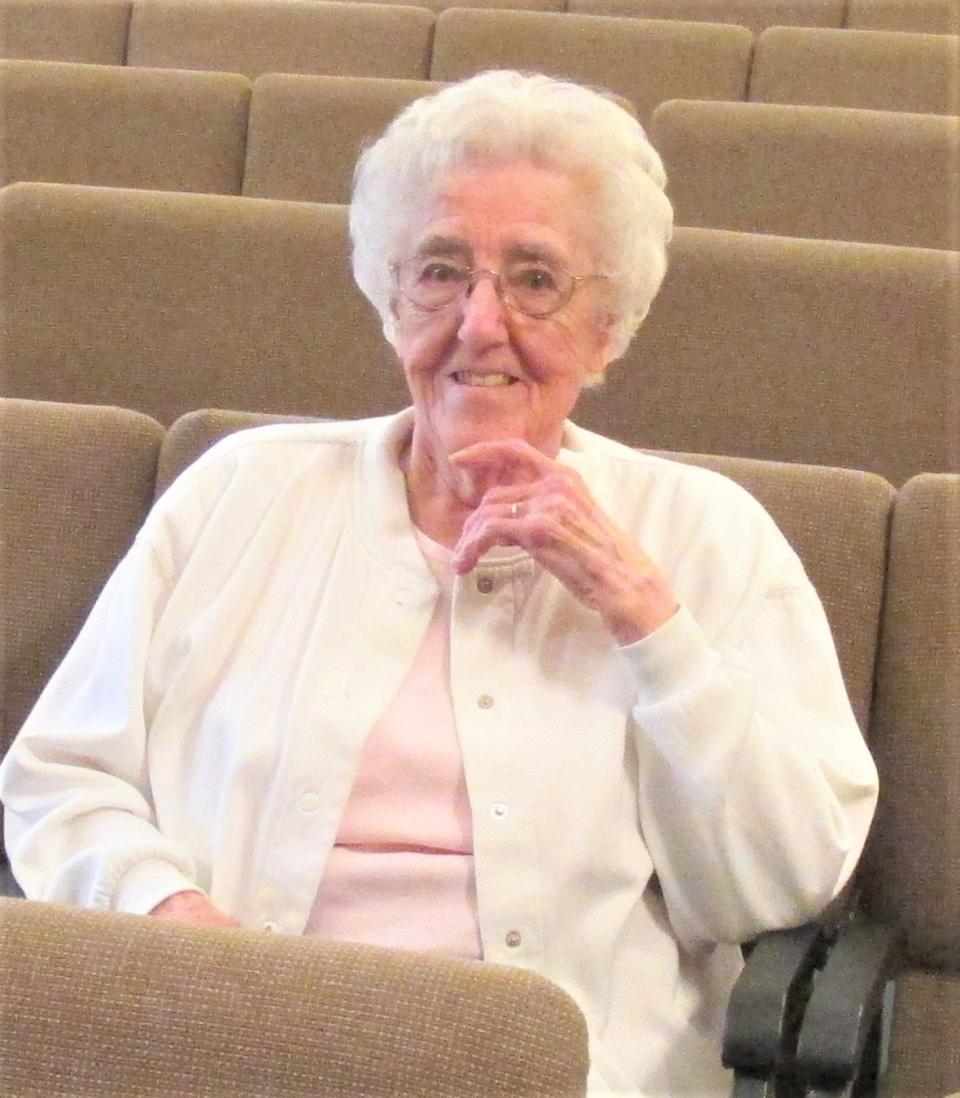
x,y
483,319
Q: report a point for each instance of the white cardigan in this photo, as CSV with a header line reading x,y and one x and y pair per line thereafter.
x,y
637,811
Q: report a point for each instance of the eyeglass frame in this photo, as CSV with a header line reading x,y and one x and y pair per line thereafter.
x,y
474,274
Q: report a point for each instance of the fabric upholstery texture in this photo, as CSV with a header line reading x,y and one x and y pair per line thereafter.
x,y
645,61
822,352
926,16
512,5
873,70
75,484
836,520
123,127
818,172
257,36
167,302
924,1050
757,15
194,433
92,31
306,132
136,1007
911,869
913,859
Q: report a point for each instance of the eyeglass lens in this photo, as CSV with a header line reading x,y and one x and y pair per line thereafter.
x,y
537,289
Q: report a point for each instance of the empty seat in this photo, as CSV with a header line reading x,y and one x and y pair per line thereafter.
x,y
75,484
873,70
119,127
93,31
794,350
912,864
258,36
306,131
166,302
645,61
925,16
828,172
755,14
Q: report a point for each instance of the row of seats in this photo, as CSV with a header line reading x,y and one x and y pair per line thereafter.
x,y
841,174
97,30
787,349
645,61
77,482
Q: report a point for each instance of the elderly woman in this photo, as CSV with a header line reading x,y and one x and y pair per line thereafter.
x,y
469,678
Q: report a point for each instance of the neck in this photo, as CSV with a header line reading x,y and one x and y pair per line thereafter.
x,y
435,494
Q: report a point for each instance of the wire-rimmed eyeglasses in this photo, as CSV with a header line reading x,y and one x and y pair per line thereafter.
x,y
534,288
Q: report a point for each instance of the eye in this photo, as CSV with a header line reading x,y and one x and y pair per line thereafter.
x,y
533,278
437,272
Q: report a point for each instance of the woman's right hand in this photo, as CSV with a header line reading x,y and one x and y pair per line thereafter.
x,y
193,909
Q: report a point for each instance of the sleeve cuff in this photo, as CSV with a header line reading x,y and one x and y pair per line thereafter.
x,y
149,882
667,661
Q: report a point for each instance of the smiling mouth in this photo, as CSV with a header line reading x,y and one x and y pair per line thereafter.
x,y
488,381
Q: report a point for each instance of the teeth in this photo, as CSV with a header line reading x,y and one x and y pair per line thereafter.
x,y
462,377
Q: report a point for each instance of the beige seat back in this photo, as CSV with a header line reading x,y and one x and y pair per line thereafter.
x,y
195,432
306,131
167,302
120,127
253,1015
645,61
925,16
919,73
794,350
756,15
826,172
912,866
91,31
512,5
257,36
75,484
837,521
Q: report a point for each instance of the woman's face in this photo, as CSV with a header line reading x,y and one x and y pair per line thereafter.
x,y
477,370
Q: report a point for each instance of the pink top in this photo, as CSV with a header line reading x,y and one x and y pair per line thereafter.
x,y
401,871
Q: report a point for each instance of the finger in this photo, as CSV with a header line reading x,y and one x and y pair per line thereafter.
x,y
500,525
503,461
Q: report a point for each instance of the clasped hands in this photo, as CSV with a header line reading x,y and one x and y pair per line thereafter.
x,y
522,497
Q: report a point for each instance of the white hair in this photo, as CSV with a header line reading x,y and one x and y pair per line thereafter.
x,y
499,117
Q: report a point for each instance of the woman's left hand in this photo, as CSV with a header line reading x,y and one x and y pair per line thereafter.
x,y
524,498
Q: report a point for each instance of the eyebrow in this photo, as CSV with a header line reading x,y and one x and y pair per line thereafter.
x,y
449,247
456,247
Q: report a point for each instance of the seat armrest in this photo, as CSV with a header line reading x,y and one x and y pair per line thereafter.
x,y
768,1000
846,1003
8,883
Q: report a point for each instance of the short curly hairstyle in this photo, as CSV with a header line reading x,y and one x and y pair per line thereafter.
x,y
498,117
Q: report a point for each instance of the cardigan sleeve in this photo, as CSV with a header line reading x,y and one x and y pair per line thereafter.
x,y
80,826
756,787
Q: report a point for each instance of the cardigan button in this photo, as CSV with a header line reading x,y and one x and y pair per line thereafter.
x,y
513,939
485,701
485,585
